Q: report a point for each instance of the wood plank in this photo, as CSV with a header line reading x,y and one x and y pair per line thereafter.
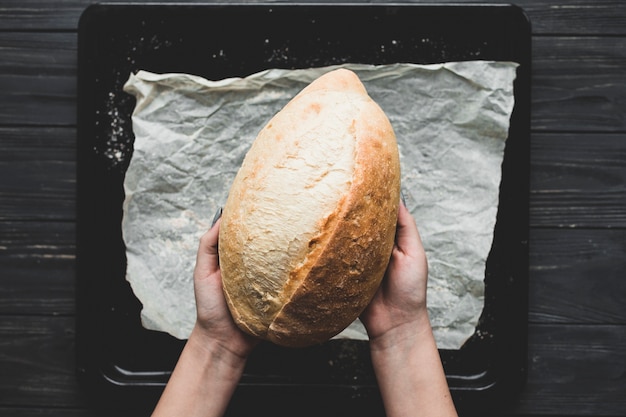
x,y
578,180
38,53
570,175
41,15
573,369
567,265
44,412
37,261
24,411
547,17
577,276
37,100
576,17
39,165
579,84
38,82
38,78
37,362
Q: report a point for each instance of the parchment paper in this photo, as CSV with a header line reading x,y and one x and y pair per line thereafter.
x,y
191,135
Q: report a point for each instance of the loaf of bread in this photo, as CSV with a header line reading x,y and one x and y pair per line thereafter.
x,y
309,223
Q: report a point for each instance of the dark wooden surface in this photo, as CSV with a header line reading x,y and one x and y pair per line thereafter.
x,y
577,312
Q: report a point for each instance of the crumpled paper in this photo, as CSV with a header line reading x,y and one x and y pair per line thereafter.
x,y
191,135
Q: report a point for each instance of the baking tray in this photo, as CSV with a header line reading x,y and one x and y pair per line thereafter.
x,y
124,365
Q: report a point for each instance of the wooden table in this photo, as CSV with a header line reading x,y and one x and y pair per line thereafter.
x,y
577,312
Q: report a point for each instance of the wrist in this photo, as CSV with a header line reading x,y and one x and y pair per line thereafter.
x,y
409,371
210,350
404,335
204,379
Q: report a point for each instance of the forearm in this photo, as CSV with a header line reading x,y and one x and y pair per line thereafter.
x,y
410,375
203,381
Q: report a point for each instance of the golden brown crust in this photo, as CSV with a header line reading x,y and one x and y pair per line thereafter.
x,y
346,273
320,288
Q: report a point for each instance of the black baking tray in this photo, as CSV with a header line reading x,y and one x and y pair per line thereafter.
x,y
120,363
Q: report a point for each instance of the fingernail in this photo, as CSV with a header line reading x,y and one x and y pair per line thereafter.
x,y
217,216
402,197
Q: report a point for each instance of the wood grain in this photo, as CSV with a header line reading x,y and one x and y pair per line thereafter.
x,y
579,84
577,319
578,180
577,276
37,361
573,370
41,163
37,260
38,80
547,17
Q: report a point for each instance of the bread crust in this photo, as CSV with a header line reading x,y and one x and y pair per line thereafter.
x,y
338,265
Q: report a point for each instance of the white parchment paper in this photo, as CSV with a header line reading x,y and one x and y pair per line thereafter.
x,y
191,135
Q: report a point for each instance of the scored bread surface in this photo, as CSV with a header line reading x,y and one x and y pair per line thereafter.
x,y
309,224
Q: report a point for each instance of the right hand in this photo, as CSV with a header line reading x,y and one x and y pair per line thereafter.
x,y
399,305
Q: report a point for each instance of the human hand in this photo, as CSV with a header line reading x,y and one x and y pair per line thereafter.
x,y
398,309
215,354
214,323
404,353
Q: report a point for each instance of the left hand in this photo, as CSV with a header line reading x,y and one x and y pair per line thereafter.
x,y
214,322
